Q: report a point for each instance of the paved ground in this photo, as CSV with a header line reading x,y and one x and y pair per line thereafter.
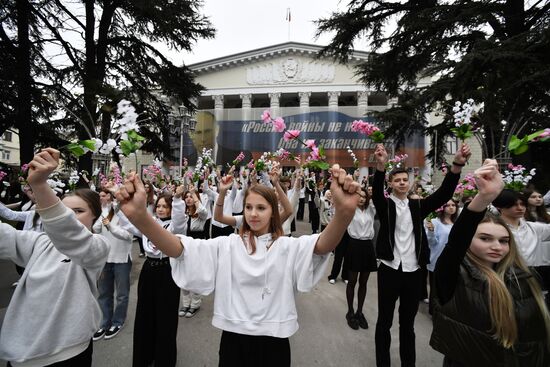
x,y
324,339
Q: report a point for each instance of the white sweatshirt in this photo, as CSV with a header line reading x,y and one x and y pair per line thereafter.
x,y
53,312
254,293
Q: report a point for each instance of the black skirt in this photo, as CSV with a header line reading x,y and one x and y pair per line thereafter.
x,y
251,351
360,256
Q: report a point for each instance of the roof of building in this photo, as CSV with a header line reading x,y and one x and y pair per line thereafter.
x,y
246,57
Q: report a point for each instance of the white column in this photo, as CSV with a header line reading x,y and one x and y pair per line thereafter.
x,y
218,101
304,99
274,103
246,110
362,102
333,100
218,113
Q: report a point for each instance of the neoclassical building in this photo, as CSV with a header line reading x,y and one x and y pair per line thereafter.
x,y
317,96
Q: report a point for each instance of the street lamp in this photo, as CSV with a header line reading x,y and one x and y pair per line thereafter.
x,y
186,125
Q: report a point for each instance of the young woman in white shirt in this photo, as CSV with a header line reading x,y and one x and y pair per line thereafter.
x,y
360,259
156,322
115,276
254,273
197,215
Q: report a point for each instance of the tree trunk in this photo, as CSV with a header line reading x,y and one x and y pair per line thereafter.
x,y
90,84
27,133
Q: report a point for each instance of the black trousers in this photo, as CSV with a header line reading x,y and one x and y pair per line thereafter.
x,y
238,350
339,254
83,359
301,206
207,229
156,324
313,216
219,231
394,284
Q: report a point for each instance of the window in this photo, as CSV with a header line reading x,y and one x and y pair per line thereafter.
x,y
451,144
7,136
6,155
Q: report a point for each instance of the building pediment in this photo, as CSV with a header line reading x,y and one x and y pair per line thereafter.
x,y
287,68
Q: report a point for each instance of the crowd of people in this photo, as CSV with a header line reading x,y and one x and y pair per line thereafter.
x,y
481,262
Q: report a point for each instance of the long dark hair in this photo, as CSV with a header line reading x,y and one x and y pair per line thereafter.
x,y
441,214
275,226
540,211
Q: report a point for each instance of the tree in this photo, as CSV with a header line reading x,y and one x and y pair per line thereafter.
x,y
111,49
495,52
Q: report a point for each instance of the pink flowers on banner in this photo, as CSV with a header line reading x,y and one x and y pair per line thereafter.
x,y
368,129
291,135
316,156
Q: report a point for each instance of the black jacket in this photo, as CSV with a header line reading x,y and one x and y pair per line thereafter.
x,y
420,208
462,323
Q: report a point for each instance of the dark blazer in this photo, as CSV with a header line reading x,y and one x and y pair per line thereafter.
x,y
420,208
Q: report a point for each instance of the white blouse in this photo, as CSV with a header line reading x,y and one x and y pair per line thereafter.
x,y
254,292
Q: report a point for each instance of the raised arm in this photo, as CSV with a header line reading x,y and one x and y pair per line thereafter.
x,y
132,199
378,198
274,176
489,183
344,195
225,183
18,216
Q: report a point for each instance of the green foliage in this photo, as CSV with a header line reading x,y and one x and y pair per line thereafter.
x,y
118,59
463,132
495,52
519,146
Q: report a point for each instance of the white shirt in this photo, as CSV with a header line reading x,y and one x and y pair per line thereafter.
x,y
227,202
198,222
362,224
205,200
294,199
404,249
119,239
255,294
529,237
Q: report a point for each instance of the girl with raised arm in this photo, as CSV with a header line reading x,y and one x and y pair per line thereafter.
x,y
53,312
489,309
255,273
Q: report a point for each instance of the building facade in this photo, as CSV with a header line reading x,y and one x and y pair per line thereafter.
x,y
317,96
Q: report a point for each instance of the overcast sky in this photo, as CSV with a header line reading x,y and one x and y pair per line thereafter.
x,y
243,25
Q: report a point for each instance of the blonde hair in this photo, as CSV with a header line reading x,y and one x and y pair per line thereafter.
x,y
501,304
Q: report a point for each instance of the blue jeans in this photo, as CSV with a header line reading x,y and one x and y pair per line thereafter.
x,y
115,276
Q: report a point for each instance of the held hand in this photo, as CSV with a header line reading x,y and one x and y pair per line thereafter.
x,y
463,154
105,221
132,198
274,174
380,154
179,191
43,163
430,226
225,183
489,180
344,191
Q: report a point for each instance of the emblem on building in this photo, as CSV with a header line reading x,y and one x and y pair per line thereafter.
x,y
290,71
